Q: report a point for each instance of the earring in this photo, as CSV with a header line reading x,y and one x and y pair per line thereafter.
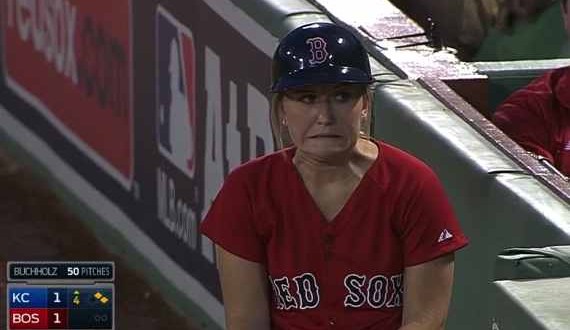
x,y
364,113
284,121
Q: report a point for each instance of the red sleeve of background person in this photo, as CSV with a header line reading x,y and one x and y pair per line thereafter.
x,y
525,119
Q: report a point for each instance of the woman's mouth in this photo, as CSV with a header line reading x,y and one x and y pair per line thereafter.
x,y
325,136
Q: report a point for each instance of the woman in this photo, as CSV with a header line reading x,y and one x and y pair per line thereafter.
x,y
337,231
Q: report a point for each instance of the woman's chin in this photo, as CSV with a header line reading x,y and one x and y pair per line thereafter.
x,y
327,148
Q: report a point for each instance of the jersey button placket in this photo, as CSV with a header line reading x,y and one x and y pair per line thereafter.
x,y
328,241
332,322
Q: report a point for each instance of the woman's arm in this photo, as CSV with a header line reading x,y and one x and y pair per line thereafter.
x,y
245,292
427,292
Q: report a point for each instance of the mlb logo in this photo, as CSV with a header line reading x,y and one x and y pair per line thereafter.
x,y
176,92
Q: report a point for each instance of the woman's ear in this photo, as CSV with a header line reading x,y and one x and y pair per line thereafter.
x,y
365,113
281,112
366,102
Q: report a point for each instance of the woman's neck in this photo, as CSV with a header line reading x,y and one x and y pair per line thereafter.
x,y
352,164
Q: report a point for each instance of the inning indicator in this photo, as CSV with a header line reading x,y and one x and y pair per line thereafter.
x,y
61,295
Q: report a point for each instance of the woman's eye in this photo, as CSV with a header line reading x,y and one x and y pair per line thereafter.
x,y
342,96
307,98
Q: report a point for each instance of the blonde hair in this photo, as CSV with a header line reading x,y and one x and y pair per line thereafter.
x,y
281,137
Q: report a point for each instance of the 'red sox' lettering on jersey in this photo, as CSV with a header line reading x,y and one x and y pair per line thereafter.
x,y
377,291
305,286
302,292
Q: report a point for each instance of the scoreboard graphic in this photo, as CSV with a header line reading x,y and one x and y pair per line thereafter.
x,y
61,295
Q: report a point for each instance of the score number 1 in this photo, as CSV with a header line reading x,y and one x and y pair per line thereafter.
x,y
56,300
57,320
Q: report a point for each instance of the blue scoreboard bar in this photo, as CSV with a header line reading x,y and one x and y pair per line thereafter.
x,y
52,300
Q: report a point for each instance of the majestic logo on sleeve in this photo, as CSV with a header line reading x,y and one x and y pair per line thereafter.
x,y
302,292
444,236
318,50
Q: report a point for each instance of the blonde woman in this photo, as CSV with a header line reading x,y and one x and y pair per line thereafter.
x,y
336,230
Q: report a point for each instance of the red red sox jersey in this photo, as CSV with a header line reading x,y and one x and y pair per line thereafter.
x,y
346,273
538,117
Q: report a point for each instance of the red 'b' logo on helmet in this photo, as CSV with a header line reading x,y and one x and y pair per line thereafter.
x,y
318,49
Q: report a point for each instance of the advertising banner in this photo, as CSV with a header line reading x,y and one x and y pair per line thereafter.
x,y
211,113
72,60
141,109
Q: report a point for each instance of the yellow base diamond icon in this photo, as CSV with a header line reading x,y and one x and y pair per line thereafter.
x,y
101,297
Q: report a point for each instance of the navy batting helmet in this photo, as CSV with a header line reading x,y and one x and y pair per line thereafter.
x,y
319,53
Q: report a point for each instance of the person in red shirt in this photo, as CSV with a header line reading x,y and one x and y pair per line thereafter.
x,y
538,116
337,230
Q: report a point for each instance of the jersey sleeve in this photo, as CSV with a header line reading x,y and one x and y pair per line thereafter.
x,y
520,117
430,228
230,223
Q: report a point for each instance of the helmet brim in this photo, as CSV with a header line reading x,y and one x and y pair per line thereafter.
x,y
318,76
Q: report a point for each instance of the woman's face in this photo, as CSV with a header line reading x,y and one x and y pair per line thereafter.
x,y
324,120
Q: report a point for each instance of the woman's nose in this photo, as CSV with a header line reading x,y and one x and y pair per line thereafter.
x,y
326,114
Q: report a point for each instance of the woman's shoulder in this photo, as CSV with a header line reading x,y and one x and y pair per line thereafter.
x,y
396,156
262,165
397,163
